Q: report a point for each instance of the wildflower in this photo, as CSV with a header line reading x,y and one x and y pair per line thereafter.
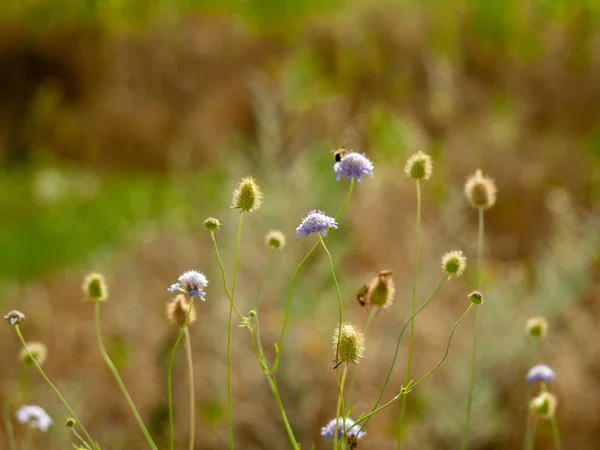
x,y
275,239
315,222
70,423
348,344
247,196
353,165
347,425
94,287
178,309
14,317
540,373
480,191
35,416
419,166
382,289
212,224
191,283
544,405
454,263
476,298
537,327
38,352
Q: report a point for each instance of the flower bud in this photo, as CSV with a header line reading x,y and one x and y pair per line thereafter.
x,y
38,352
94,287
252,313
481,191
544,405
14,317
247,196
178,309
454,263
275,239
476,298
70,423
537,327
419,166
382,289
348,344
212,224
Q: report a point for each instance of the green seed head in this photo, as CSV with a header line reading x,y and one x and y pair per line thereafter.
x,y
39,352
481,192
454,263
94,287
351,344
212,224
247,196
537,327
70,423
382,290
419,166
476,298
275,239
544,405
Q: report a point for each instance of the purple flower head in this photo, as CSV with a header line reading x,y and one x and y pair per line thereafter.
x,y
540,373
328,431
35,416
353,165
315,222
191,283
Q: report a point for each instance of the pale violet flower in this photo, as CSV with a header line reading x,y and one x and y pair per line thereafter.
x,y
315,222
35,416
328,431
191,283
353,165
540,373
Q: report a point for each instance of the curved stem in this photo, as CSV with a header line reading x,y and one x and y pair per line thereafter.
x,y
414,305
190,364
223,276
170,374
10,432
355,368
480,227
555,432
346,200
532,357
80,439
118,379
45,377
260,288
339,407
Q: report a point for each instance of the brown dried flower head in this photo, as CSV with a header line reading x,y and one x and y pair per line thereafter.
x,y
177,311
481,192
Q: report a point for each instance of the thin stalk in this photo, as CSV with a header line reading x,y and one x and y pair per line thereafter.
x,y
190,364
260,288
25,444
480,227
355,368
414,306
118,379
533,433
346,200
233,284
532,357
80,439
45,377
389,375
10,432
555,432
223,276
339,407
170,374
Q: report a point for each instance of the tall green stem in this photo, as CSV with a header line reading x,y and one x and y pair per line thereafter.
x,y
555,433
170,374
533,433
223,276
355,368
532,357
480,227
339,407
28,433
414,306
118,379
45,377
10,432
260,288
80,439
190,365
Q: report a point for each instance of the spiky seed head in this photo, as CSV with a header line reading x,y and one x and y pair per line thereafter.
x,y
14,317
247,196
275,239
177,311
39,352
454,263
481,192
476,298
537,327
94,287
70,423
212,224
544,405
351,344
382,289
419,166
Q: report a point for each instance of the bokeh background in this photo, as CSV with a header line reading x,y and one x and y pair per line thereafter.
x,y
124,124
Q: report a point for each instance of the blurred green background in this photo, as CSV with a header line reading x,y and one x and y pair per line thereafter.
x,y
124,124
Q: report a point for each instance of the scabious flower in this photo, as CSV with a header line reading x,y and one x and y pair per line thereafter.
x,y
353,165
247,196
454,263
14,317
328,431
481,192
315,222
537,327
94,287
190,283
38,351
540,373
544,405
348,344
275,239
419,166
382,290
35,416
178,309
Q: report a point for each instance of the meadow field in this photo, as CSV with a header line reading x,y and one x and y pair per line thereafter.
x,y
124,125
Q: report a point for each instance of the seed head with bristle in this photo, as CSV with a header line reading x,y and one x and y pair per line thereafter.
x,y
351,344
247,196
480,191
178,309
212,224
94,287
454,263
39,352
382,290
275,239
419,166
537,327
544,405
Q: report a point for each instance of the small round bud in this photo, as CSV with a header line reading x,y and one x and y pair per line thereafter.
x,y
94,287
476,298
351,344
178,309
419,166
454,263
537,327
14,317
544,405
247,196
252,313
38,352
481,191
212,224
382,289
70,423
275,239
